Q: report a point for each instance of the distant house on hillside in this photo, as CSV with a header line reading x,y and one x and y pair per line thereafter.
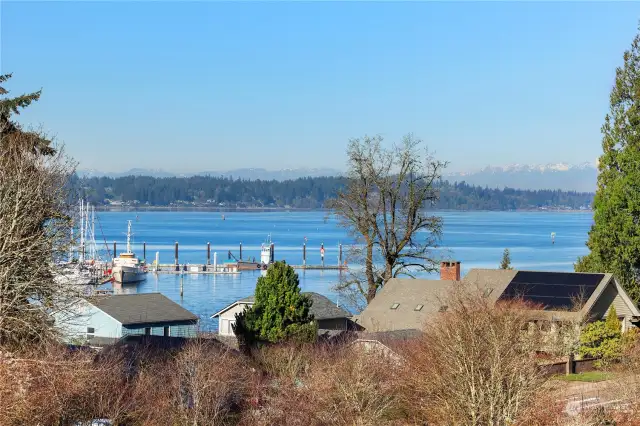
x,y
106,319
327,314
407,304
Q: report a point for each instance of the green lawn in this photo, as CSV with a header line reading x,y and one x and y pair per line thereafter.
x,y
589,376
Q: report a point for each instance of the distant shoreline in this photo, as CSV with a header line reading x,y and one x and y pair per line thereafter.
x,y
282,209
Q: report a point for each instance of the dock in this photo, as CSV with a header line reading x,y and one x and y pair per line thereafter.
x,y
228,269
234,264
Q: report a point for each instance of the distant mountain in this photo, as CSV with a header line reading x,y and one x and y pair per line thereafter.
x,y
247,174
279,175
579,177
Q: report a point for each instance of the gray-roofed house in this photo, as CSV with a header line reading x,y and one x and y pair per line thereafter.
x,y
327,314
108,318
405,304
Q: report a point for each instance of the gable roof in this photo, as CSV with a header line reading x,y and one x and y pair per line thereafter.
x,y
554,292
142,308
321,308
382,314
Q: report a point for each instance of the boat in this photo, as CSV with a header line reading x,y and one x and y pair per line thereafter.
x,y
127,268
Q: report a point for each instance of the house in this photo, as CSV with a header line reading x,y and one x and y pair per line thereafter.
x,y
327,314
406,304
108,318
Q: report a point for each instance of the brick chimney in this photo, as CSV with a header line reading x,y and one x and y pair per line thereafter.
x,y
450,271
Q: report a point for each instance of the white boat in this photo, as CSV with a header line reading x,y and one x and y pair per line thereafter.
x,y
127,268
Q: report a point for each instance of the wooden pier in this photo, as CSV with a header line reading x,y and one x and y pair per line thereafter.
x,y
228,269
233,264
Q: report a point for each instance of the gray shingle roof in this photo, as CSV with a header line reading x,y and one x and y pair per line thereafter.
x,y
142,308
432,294
322,308
408,295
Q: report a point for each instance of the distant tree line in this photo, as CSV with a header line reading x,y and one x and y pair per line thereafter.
x,y
299,193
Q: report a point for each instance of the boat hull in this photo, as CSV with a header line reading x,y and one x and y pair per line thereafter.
x,y
124,275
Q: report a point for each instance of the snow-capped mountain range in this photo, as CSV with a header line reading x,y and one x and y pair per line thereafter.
x,y
578,177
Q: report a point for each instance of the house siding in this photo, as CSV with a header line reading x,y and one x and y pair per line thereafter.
x,y
74,323
229,317
611,297
175,329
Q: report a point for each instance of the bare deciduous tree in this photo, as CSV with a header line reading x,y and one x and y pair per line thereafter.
x,y
476,364
384,208
34,236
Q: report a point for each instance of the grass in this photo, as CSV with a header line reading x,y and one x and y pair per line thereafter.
x,y
589,376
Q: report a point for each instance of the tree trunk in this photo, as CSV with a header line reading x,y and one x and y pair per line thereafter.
x,y
372,287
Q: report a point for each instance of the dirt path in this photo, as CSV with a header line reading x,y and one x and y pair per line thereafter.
x,y
616,392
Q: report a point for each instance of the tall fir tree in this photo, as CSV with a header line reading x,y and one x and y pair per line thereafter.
x,y
10,107
614,239
280,312
505,263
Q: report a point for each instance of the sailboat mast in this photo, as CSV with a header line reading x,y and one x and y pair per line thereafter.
x,y
129,237
93,233
81,254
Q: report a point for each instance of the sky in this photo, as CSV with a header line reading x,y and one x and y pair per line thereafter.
x,y
214,86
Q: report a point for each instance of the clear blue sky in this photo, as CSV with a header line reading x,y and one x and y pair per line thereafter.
x,y
215,86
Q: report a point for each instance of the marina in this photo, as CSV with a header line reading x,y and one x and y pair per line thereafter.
x,y
477,239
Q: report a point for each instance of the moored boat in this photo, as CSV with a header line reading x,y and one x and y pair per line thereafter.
x,y
127,268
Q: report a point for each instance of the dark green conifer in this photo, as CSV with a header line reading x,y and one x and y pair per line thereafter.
x,y
614,239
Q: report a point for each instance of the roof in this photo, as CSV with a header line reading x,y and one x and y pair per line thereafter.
x,y
142,308
405,304
395,307
386,336
322,308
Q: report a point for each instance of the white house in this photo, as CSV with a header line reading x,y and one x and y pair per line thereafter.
x,y
327,314
105,319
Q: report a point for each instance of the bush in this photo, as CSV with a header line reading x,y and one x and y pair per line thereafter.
x,y
475,365
603,339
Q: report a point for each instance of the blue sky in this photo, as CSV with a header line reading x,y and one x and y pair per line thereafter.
x,y
221,85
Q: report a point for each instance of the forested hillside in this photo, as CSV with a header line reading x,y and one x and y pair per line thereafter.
x,y
299,193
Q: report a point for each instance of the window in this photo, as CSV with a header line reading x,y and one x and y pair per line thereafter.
x,y
91,330
167,332
418,308
487,292
443,308
147,331
395,306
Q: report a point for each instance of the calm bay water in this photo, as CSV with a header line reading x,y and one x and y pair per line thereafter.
x,y
476,239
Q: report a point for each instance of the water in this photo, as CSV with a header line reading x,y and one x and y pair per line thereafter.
x,y
477,239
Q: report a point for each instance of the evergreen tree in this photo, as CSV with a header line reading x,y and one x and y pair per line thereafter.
x,y
506,260
614,239
12,106
603,339
280,312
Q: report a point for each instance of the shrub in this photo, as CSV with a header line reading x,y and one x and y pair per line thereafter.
x,y
603,339
475,364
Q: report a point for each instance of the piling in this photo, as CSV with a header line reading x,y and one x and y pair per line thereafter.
x,y
339,254
240,251
114,249
176,257
304,254
157,260
144,252
272,253
204,268
215,262
181,284
322,253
